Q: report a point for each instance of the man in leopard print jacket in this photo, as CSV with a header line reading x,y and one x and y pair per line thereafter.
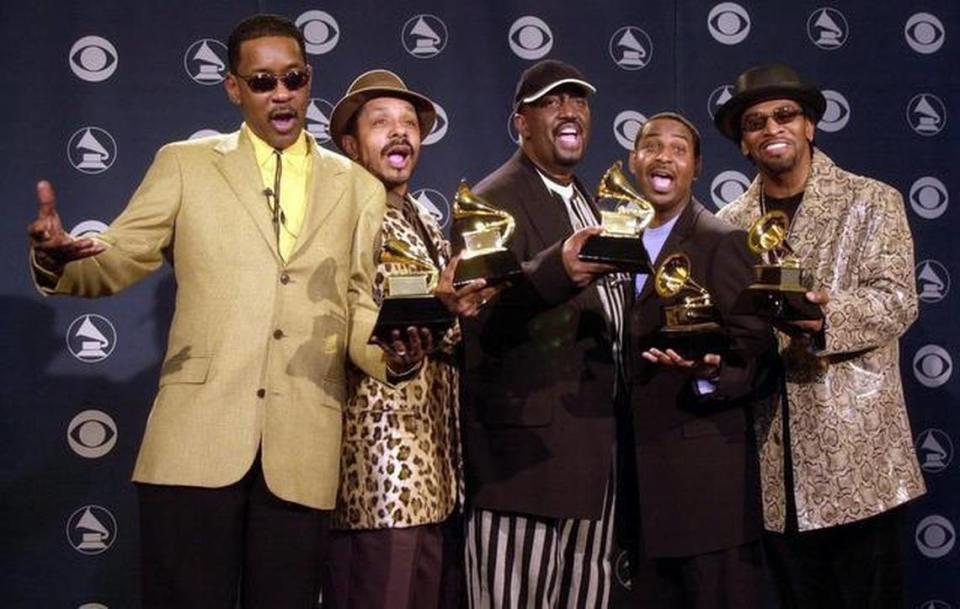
x,y
396,539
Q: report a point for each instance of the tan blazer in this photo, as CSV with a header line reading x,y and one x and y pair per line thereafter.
x,y
852,448
257,348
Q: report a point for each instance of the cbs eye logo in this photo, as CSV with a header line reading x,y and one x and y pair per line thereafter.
x,y
93,59
92,434
439,127
929,197
530,37
924,33
729,23
935,536
932,366
727,187
836,114
626,126
320,31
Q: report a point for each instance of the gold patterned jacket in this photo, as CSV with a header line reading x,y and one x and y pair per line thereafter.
x,y
851,443
400,464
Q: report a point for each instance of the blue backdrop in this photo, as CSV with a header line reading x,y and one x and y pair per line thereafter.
x,y
97,87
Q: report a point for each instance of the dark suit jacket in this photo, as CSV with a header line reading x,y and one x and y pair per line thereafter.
x,y
696,465
537,408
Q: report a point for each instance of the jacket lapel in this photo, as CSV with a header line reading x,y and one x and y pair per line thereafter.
x,y
239,168
545,213
325,190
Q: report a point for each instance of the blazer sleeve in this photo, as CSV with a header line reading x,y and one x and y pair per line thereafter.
x,y
884,303
363,266
752,340
136,239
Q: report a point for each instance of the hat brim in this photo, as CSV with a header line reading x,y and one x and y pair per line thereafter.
x,y
347,107
727,118
564,81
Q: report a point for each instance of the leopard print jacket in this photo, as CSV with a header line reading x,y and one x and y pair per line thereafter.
x,y
400,464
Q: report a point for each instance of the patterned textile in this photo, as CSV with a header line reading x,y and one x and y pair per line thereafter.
x,y
851,443
401,458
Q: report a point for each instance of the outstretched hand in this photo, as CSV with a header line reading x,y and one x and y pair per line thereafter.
x,y
53,247
707,368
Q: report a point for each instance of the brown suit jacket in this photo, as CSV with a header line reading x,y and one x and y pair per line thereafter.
x,y
256,352
538,386
697,474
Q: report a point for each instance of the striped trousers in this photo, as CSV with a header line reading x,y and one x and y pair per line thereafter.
x,y
529,562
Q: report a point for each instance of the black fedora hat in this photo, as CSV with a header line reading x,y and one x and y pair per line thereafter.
x,y
372,84
762,83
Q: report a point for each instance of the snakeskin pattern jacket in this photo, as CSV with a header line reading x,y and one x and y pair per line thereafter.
x,y
852,448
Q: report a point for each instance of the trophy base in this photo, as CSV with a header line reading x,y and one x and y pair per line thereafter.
x,y
777,304
496,267
625,253
695,340
401,312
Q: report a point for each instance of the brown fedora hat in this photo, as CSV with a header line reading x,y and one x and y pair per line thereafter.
x,y
372,84
762,83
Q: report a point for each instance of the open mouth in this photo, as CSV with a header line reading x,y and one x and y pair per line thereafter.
x,y
661,180
775,146
283,120
568,134
398,155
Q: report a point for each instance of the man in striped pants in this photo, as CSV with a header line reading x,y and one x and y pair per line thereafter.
x,y
542,371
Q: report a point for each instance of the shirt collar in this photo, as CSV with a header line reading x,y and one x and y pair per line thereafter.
x,y
564,190
296,152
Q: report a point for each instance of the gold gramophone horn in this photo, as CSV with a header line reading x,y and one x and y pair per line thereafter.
x,y
673,277
480,214
768,232
615,185
399,252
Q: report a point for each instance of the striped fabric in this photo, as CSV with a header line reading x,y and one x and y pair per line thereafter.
x,y
529,562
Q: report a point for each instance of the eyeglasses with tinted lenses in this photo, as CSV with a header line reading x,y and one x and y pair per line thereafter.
x,y
264,82
758,120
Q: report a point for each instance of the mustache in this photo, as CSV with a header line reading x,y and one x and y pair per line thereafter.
x,y
396,142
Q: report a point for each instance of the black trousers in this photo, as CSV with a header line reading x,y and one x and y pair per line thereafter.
x,y
731,578
852,566
203,548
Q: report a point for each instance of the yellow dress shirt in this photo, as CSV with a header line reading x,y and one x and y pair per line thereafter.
x,y
293,184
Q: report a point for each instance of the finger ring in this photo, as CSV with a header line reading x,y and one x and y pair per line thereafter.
x,y
483,302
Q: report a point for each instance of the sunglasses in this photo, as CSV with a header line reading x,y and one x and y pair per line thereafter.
x,y
758,120
264,82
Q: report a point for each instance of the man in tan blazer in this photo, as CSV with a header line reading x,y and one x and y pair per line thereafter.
x,y
836,451
271,239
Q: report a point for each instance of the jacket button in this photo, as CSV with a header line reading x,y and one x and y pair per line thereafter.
x,y
278,333
261,392
284,278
